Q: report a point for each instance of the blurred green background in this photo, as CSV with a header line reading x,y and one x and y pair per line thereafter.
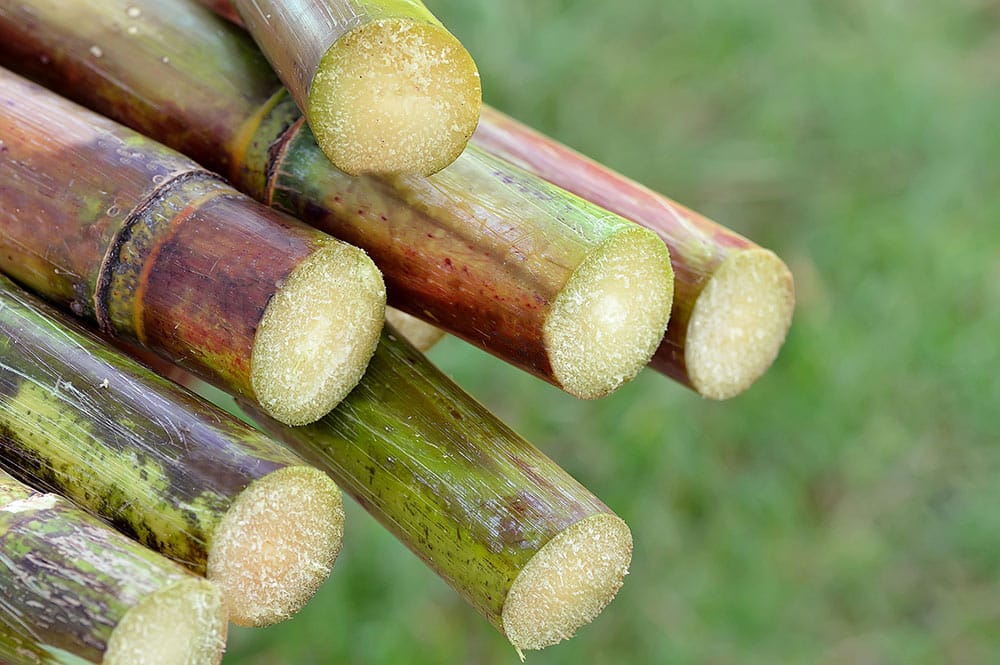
x,y
845,509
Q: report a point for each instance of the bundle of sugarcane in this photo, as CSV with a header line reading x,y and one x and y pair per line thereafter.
x,y
434,238
185,479
496,254
74,591
484,250
151,246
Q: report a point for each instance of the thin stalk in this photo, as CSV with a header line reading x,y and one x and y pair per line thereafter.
x,y
74,591
524,543
153,247
386,88
483,250
733,300
417,332
173,472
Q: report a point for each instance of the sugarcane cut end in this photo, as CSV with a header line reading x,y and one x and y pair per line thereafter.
x,y
610,316
317,334
739,323
394,95
181,624
277,544
568,582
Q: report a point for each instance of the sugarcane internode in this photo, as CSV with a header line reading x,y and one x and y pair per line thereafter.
x,y
74,591
386,88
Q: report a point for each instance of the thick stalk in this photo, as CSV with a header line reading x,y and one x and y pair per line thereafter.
x,y
385,86
531,549
74,591
178,475
126,232
733,300
483,250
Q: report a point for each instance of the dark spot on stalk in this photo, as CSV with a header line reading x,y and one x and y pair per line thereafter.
x,y
447,262
456,414
191,518
313,211
361,212
384,218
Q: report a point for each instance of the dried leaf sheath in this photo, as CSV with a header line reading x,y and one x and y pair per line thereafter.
x,y
733,300
530,548
180,476
385,86
482,249
74,591
122,230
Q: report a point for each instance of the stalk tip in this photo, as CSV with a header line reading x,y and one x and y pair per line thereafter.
x,y
317,334
182,624
394,95
276,545
568,582
739,323
610,316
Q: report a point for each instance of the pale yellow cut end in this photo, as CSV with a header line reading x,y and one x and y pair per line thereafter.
x,y
609,318
395,96
317,334
277,544
739,323
419,333
182,624
568,583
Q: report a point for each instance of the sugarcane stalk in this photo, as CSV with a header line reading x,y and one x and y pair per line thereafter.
x,y
386,88
151,246
530,548
733,300
180,476
483,250
417,332
74,591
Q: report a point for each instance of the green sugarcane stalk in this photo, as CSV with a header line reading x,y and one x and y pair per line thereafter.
x,y
386,88
733,300
73,591
530,548
176,474
126,232
483,250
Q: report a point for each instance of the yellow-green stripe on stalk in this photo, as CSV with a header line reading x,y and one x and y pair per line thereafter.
x,y
73,591
386,88
143,240
175,473
483,250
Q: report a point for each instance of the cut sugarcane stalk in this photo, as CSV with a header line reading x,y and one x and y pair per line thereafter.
x,y
485,251
75,591
178,475
124,231
386,88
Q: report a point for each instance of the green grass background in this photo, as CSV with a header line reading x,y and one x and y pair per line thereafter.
x,y
847,508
